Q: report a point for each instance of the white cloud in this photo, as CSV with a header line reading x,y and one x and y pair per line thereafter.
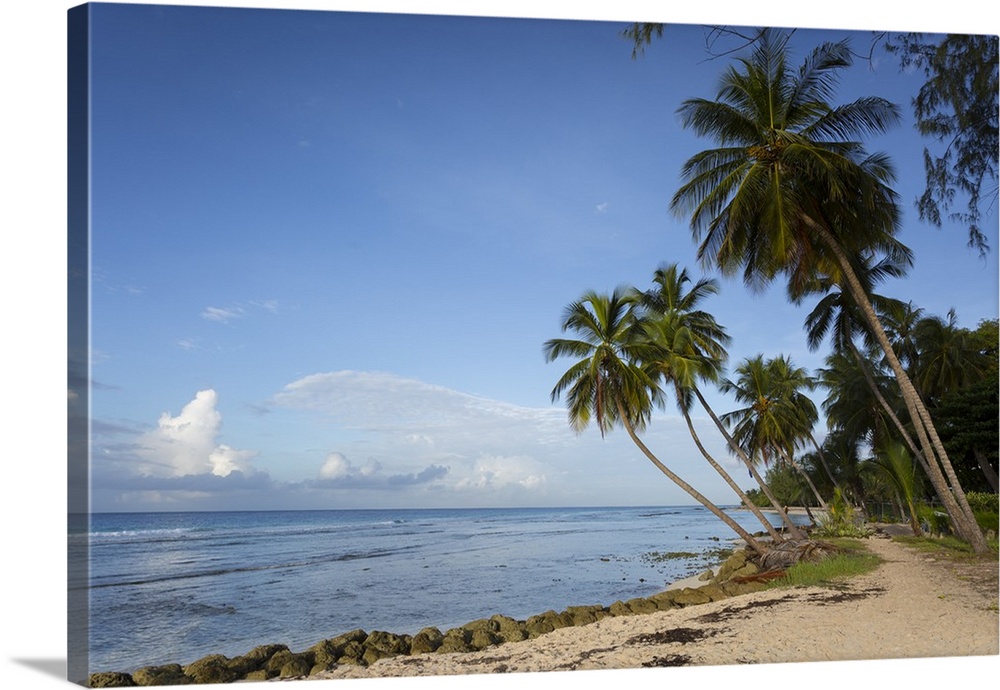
x,y
495,453
335,467
338,472
270,305
222,315
602,207
187,444
238,311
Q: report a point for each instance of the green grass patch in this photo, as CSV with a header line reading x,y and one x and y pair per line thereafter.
x,y
854,559
946,546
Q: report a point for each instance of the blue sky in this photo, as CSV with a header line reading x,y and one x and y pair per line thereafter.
x,y
34,350
328,246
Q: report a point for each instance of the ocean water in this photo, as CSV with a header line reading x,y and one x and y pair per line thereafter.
x,y
174,587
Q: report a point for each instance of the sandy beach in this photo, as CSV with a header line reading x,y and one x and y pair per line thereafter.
x,y
912,606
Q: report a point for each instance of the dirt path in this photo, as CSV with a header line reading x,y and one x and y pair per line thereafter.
x,y
911,606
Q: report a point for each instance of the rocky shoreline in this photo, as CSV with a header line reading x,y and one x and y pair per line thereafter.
x,y
738,575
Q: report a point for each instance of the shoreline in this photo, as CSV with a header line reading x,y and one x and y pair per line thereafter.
x,y
273,662
884,615
619,637
282,662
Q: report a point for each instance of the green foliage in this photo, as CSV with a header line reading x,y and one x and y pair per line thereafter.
x,y
983,501
986,508
786,485
934,521
841,520
956,107
967,420
947,546
829,571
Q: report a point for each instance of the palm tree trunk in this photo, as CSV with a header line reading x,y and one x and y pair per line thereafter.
x,y
792,528
805,475
822,459
984,465
775,537
962,518
744,535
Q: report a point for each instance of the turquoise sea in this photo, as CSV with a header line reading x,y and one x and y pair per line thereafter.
x,y
174,587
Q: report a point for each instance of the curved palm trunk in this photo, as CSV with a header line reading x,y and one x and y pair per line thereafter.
x,y
732,484
805,475
822,460
962,518
744,535
792,528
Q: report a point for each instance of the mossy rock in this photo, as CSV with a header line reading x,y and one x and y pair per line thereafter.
x,y
299,665
732,564
620,608
737,588
168,674
543,623
321,668
690,596
746,570
255,659
508,629
356,635
259,674
112,679
426,641
482,624
277,661
482,639
389,643
584,615
664,600
211,669
714,592
640,605
352,653
456,640
325,652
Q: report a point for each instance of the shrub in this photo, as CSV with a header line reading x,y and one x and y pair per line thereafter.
x,y
980,501
841,519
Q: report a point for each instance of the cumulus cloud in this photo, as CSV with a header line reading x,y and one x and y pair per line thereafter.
x,y
337,471
468,442
187,444
602,207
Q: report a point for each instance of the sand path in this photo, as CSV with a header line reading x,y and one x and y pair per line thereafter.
x,y
911,606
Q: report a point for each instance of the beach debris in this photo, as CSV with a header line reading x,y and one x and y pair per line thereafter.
x,y
786,554
669,660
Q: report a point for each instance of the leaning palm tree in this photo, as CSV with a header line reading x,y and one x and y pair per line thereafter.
x,y
608,385
792,192
770,424
686,346
836,316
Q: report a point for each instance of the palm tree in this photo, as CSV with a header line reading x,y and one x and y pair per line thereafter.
x,y
948,357
837,316
688,346
607,383
898,468
792,192
771,422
